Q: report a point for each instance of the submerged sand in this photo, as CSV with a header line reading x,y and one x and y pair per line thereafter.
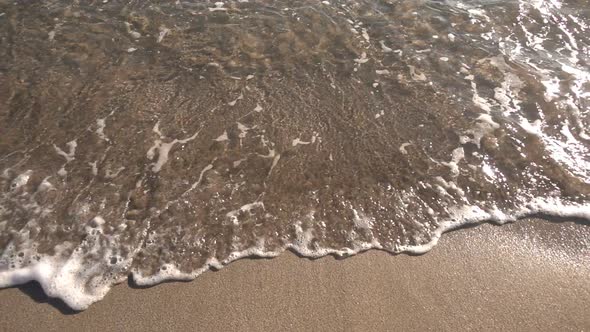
x,y
532,275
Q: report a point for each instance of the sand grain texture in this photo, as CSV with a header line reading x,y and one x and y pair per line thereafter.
x,y
532,275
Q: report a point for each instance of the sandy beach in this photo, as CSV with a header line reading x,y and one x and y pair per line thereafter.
x,y
532,275
159,139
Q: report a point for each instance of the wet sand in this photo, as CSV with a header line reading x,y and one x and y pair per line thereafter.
x,y
532,275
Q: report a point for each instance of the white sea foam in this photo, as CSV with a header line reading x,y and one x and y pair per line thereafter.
x,y
163,148
69,279
460,216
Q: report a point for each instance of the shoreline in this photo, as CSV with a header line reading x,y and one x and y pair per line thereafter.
x,y
526,275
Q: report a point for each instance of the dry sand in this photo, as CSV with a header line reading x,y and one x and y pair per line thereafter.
x,y
532,275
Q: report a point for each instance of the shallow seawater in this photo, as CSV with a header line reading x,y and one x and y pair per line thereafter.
x,y
159,139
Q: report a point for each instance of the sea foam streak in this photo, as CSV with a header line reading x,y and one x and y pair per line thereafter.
x,y
241,129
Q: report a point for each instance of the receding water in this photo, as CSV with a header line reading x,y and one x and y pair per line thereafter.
x,y
157,139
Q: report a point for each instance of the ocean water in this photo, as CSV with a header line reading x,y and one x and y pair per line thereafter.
x,y
158,139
